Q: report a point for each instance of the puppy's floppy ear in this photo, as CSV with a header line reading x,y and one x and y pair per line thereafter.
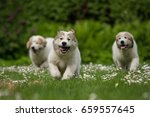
x,y
42,41
73,31
28,44
131,38
74,36
60,32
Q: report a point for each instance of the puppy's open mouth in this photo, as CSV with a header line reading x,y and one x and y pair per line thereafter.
x,y
123,46
64,49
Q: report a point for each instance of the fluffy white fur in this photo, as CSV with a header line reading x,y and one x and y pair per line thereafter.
x,y
125,53
64,59
39,49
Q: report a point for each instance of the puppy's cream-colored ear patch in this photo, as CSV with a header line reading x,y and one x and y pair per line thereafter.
x,y
28,44
73,31
117,38
42,41
60,33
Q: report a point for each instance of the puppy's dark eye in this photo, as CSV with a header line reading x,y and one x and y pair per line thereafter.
x,y
125,37
61,38
119,38
68,39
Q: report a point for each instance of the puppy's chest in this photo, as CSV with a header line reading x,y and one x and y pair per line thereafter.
x,y
62,64
125,57
38,57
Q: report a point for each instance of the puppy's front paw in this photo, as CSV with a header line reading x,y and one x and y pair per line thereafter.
x,y
44,65
56,74
67,76
133,69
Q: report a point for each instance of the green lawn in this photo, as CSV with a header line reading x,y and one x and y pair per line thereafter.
x,y
95,82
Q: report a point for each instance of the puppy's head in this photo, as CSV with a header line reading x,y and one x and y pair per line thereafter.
x,y
124,40
65,42
36,43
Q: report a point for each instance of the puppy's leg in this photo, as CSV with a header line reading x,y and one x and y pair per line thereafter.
x,y
54,71
69,72
44,65
77,73
134,64
118,64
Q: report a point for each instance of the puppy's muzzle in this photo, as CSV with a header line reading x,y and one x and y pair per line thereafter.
x,y
33,49
64,48
121,44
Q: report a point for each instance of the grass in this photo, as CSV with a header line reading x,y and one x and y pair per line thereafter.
x,y
95,82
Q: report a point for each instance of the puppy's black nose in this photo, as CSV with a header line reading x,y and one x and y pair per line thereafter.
x,y
122,42
64,43
33,48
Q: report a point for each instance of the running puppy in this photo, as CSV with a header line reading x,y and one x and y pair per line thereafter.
x,y
125,53
39,48
64,59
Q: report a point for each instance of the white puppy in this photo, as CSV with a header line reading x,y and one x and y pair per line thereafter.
x,y
125,53
64,59
39,49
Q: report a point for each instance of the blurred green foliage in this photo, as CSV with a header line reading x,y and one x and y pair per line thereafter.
x,y
96,23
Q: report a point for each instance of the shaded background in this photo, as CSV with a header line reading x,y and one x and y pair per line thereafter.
x,y
96,23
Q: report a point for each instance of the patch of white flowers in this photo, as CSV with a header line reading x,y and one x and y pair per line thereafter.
x,y
88,72
25,71
91,71
139,76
